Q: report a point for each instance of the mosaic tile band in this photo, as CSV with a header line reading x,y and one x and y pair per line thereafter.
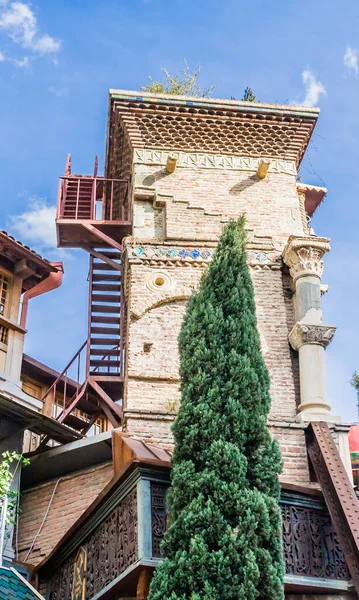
x,y
161,253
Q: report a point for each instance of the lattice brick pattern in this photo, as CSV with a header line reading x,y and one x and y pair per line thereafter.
x,y
216,131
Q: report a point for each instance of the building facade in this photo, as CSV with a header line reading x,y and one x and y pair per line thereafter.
x,y
177,169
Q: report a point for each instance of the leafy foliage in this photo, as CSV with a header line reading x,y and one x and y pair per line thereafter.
x,y
249,95
6,479
184,84
355,383
224,539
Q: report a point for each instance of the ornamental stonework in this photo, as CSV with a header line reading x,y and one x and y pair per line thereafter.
x,y
304,255
161,255
302,334
212,161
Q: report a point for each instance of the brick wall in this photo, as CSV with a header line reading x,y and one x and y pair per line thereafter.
x,y
188,209
196,202
73,495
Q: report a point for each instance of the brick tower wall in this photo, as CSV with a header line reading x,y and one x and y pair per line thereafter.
x,y
178,219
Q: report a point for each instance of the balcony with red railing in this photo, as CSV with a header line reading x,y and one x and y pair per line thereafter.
x,y
88,201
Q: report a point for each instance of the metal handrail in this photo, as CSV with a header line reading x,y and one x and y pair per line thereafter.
x,y
63,377
125,204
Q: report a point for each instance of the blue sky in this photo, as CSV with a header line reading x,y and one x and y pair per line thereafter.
x,y
57,61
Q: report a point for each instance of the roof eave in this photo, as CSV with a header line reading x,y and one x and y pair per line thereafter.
x,y
255,107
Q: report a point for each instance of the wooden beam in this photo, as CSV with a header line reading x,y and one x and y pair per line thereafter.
x,y
263,168
143,584
24,269
172,162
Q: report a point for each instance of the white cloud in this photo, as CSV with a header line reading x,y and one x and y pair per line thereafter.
x,y
22,64
2,57
36,226
351,59
59,92
18,20
313,88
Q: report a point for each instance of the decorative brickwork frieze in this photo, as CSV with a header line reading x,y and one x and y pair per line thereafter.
x,y
211,161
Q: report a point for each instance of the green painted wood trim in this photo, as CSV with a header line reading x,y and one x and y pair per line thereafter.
x,y
317,582
144,520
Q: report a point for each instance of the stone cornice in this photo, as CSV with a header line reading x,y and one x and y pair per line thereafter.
x,y
303,255
303,333
212,161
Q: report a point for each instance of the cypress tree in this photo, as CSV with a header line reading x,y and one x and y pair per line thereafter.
x,y
224,540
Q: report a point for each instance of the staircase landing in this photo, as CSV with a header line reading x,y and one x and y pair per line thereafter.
x,y
72,233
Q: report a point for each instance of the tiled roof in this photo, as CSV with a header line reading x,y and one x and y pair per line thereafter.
x,y
8,241
14,587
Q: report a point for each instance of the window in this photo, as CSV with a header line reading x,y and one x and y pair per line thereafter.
x,y
57,407
4,288
3,334
32,388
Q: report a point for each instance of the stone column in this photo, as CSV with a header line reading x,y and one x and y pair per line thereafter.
x,y
309,335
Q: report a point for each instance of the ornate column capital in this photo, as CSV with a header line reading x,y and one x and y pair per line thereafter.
x,y
302,334
303,255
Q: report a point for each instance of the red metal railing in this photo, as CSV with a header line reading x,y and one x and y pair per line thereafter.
x,y
93,198
63,380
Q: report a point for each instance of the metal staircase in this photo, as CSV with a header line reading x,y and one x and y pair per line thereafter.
x,y
95,213
104,354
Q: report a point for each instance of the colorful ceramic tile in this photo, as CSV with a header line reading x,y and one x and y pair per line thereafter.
x,y
261,257
183,253
195,253
172,252
138,251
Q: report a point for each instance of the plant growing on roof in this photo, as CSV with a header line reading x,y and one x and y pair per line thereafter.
x,y
248,95
184,84
224,539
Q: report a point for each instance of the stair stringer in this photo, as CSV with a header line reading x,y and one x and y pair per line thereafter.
x,y
338,493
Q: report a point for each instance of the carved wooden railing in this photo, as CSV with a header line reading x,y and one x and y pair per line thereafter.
x,y
110,549
310,543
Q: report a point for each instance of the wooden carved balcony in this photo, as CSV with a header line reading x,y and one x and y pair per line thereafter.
x,y
120,540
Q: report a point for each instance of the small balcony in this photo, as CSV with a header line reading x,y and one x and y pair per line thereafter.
x,y
88,201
